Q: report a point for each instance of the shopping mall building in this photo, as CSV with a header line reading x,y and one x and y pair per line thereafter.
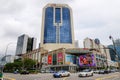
x,y
57,47
72,59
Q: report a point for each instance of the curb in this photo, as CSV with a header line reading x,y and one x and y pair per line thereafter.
x,y
7,78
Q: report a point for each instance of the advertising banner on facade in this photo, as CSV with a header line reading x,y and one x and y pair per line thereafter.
x,y
44,59
60,58
87,60
70,59
50,59
54,58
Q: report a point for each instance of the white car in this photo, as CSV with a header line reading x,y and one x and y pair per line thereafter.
x,y
61,74
86,73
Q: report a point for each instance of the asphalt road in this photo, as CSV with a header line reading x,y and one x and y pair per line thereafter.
x,y
73,76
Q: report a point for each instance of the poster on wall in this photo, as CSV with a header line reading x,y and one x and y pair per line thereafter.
x,y
49,59
70,59
54,59
60,58
44,59
87,60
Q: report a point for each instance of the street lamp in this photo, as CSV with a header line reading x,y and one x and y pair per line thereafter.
x,y
7,49
110,37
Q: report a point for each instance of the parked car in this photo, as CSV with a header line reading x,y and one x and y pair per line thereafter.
x,y
96,71
47,71
86,73
24,72
113,70
101,72
15,72
51,71
61,74
42,71
107,71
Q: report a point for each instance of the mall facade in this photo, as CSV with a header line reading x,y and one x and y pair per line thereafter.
x,y
72,59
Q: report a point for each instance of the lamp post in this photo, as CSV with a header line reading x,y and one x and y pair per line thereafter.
x,y
6,50
110,37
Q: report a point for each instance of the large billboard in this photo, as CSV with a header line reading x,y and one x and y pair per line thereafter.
x,y
70,59
60,58
87,60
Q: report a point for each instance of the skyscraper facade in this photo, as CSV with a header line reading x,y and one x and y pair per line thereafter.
x,y
25,44
57,27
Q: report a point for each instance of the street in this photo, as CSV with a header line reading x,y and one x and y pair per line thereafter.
x,y
73,76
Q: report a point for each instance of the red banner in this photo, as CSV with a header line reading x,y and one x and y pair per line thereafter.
x,y
60,57
49,59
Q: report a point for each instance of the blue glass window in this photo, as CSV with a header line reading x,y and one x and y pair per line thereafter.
x,y
65,29
49,29
57,15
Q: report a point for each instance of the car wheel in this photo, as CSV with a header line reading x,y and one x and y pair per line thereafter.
x,y
92,74
68,75
86,75
60,76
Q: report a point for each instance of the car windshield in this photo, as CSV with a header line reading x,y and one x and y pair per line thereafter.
x,y
86,70
61,71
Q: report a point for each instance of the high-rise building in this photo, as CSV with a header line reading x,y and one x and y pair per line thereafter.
x,y
57,27
117,42
25,44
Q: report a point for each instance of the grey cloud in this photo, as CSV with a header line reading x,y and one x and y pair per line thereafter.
x,y
11,33
10,7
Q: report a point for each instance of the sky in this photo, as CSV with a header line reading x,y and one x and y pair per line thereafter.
x,y
91,18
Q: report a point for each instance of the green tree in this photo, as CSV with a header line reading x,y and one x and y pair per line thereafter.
x,y
20,64
9,67
28,63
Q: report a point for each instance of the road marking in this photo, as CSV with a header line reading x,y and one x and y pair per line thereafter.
x,y
9,78
106,77
65,78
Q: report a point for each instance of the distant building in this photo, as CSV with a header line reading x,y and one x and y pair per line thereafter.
x,y
102,53
10,58
90,43
57,27
1,59
25,44
76,44
112,51
7,59
94,44
117,42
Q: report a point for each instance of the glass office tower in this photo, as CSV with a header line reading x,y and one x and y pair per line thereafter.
x,y
57,27
25,44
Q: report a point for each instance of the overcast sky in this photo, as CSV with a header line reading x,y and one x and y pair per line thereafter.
x,y
92,18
